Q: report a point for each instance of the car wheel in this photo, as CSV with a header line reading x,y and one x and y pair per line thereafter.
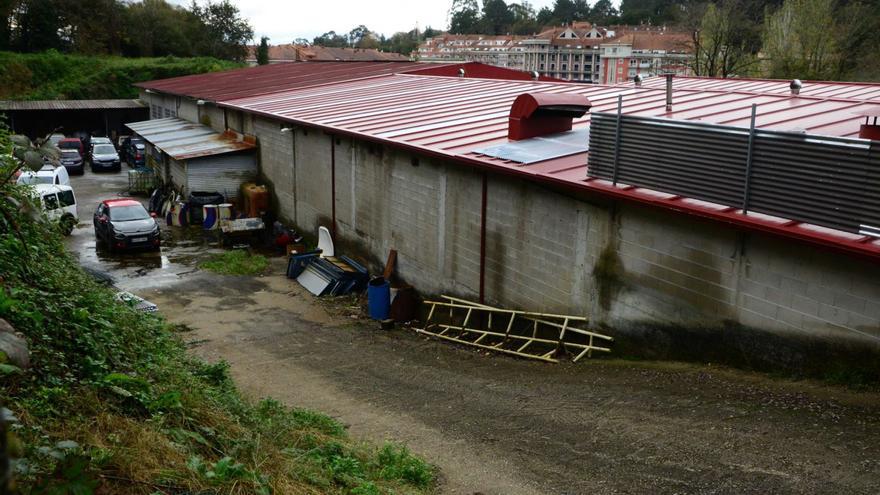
x,y
66,224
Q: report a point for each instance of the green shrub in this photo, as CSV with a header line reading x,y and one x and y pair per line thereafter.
x,y
236,262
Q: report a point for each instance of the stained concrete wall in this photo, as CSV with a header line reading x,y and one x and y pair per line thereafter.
x,y
664,284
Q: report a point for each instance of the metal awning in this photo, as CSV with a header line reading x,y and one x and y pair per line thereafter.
x,y
10,105
182,140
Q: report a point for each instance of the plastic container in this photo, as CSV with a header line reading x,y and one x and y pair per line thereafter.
x,y
255,199
209,213
225,211
379,298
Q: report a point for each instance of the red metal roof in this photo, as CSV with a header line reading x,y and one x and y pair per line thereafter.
x,y
451,117
819,89
265,79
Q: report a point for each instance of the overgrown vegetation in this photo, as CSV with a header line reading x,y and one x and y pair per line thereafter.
x,y
236,262
147,28
113,404
52,75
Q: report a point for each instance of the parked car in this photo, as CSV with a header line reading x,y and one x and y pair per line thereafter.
x,y
72,161
125,224
56,138
49,174
86,139
98,140
59,204
104,157
133,149
72,144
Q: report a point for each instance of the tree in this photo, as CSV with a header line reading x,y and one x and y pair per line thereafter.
x,y
331,39
545,17
464,17
604,13
362,37
497,18
800,40
564,11
225,34
524,19
726,43
263,51
36,25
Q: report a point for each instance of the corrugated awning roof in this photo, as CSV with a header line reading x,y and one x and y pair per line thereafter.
x,y
183,140
69,104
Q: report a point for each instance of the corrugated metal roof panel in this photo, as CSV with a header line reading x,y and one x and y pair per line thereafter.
x,y
183,140
267,79
69,104
818,89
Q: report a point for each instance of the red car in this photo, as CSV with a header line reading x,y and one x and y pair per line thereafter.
x,y
125,224
72,144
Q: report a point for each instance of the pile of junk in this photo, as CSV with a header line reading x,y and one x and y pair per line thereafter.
x,y
213,212
324,273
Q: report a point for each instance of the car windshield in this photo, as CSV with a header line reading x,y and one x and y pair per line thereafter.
x,y
70,145
104,149
128,213
34,179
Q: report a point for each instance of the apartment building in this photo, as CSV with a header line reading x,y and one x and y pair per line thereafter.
x,y
573,53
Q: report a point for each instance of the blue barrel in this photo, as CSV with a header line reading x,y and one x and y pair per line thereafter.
x,y
379,298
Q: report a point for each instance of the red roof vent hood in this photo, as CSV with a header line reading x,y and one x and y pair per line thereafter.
x,y
539,114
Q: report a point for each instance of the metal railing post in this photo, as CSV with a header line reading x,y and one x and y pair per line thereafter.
x,y
748,176
617,140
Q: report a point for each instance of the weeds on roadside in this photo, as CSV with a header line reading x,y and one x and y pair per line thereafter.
x,y
236,262
113,404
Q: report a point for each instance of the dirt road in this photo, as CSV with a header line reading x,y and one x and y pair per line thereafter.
x,y
498,425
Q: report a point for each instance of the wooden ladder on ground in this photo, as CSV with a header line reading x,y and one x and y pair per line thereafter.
x,y
541,336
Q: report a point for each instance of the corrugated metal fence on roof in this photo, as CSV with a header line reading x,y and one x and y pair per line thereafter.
x,y
832,182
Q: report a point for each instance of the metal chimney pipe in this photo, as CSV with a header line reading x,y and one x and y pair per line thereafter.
x,y
796,86
638,80
669,92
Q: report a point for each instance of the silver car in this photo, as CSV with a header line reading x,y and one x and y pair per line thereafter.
x,y
104,158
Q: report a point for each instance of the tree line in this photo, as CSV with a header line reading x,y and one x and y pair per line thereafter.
x,y
403,42
808,39
143,28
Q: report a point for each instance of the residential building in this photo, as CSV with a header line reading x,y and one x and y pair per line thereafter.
x,y
573,53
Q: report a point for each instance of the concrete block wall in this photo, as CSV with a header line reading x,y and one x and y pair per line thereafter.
x,y
663,283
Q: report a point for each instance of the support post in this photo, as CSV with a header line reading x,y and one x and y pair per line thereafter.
x,y
483,239
617,140
748,175
333,185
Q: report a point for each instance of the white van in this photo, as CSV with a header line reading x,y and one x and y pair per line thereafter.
x,y
59,204
47,175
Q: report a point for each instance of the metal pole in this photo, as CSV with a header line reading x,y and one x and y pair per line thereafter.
x,y
333,183
748,177
617,140
483,239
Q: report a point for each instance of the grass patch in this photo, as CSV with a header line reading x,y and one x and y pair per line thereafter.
x,y
236,262
113,404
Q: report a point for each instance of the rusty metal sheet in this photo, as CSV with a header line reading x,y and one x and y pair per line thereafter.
x,y
183,140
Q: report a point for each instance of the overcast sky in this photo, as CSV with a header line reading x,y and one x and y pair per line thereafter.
x,y
285,20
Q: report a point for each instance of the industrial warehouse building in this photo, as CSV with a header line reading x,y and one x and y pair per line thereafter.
x,y
672,225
